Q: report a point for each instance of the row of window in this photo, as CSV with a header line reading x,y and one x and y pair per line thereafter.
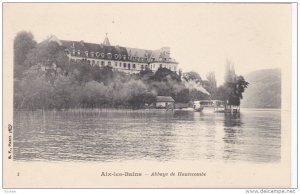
x,y
125,65
116,56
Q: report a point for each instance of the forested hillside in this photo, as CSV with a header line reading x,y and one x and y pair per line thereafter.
x,y
264,90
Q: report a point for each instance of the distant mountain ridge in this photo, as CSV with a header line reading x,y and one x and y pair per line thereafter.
x,y
264,90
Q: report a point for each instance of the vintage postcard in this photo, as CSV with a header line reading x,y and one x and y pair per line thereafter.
x,y
147,95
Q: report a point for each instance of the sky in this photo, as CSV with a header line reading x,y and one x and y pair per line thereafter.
x,y
202,36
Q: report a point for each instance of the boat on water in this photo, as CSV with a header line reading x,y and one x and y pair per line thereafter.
x,y
199,109
216,106
197,106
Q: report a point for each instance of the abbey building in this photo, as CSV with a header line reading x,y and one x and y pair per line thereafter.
x,y
125,59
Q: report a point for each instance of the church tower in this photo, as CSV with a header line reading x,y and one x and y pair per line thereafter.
x,y
106,41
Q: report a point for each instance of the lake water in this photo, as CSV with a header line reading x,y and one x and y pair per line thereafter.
x,y
159,135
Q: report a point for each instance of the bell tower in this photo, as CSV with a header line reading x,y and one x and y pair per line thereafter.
x,y
106,41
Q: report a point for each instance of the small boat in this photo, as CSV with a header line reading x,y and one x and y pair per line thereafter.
x,y
219,110
197,106
198,109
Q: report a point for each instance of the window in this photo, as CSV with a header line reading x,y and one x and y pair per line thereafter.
x,y
73,53
67,51
128,65
124,65
78,52
142,67
116,64
92,54
87,53
93,62
160,65
133,66
109,63
102,63
109,55
98,63
120,64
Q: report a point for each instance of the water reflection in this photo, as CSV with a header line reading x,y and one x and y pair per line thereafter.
x,y
117,135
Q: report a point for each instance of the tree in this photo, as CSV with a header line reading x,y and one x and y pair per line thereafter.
x,y
34,91
47,53
164,74
237,89
232,92
146,74
210,84
182,96
64,87
23,43
192,76
229,71
93,94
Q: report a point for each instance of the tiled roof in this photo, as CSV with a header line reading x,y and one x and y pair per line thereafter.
x,y
106,51
99,50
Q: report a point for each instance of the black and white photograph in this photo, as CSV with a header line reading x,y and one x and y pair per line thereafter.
x,y
147,95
